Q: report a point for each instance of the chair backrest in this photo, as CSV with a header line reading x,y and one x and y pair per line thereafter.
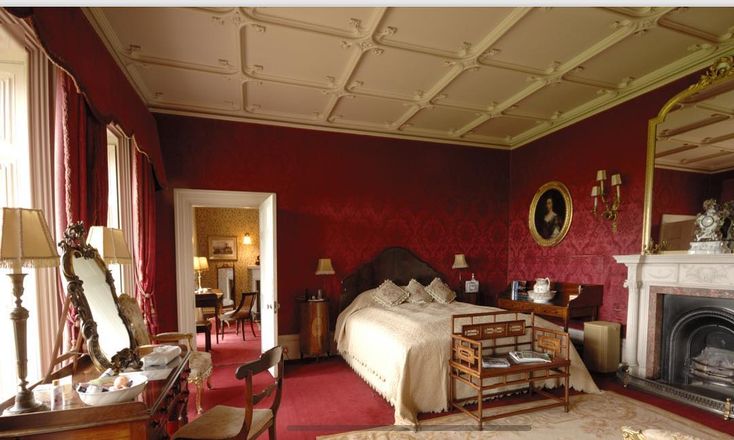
x,y
267,360
247,301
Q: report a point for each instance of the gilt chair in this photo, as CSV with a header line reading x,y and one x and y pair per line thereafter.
x,y
242,313
200,363
228,422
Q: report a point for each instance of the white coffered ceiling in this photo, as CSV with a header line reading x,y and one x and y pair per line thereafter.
x,y
491,77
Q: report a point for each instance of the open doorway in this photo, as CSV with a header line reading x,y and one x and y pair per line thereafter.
x,y
186,204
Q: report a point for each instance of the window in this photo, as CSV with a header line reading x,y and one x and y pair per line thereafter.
x,y
15,191
119,210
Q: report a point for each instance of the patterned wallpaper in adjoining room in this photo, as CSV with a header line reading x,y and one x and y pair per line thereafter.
x,y
228,222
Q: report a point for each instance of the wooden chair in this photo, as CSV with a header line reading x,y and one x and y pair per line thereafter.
x,y
228,422
207,307
200,363
242,313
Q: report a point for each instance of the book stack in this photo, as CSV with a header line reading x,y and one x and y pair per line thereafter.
x,y
527,357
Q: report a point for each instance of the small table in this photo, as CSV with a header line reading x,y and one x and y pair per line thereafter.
x,y
571,301
314,327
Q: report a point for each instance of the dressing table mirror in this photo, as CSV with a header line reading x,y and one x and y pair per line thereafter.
x,y
690,158
92,291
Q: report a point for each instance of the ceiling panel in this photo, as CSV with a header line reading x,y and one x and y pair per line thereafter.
x,y
269,51
472,88
398,73
440,119
188,88
365,110
168,34
488,77
453,31
265,97
558,35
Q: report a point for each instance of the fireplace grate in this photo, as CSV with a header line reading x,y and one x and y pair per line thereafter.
x,y
713,366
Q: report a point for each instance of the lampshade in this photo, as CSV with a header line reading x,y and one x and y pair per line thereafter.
x,y
459,262
616,180
601,175
594,191
200,263
25,240
247,239
111,244
324,267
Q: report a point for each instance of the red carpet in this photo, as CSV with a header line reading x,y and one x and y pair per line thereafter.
x,y
327,397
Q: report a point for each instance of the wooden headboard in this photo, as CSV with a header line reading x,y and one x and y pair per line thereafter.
x,y
394,263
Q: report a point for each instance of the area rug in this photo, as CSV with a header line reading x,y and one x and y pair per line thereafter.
x,y
591,416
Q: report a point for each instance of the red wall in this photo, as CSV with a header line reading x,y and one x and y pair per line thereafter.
x,y
341,196
614,140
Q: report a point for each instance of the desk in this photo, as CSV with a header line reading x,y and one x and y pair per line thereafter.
x,y
571,301
161,402
210,299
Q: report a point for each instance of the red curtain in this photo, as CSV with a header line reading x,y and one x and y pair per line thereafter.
x,y
144,237
80,143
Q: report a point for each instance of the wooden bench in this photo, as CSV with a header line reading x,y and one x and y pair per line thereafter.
x,y
495,334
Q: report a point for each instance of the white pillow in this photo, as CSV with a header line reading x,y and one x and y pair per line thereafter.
x,y
418,294
440,292
390,294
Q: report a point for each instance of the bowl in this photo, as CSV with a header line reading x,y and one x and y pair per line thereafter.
x,y
115,396
541,297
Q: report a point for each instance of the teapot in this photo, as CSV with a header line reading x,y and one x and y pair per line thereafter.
x,y
542,285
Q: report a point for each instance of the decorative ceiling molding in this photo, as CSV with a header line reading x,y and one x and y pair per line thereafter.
x,y
486,77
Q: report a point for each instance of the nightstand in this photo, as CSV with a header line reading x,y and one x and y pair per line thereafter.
x,y
314,333
470,298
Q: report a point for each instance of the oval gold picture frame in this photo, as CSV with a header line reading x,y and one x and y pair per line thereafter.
x,y
548,222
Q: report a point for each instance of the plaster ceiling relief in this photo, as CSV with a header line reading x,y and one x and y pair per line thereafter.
x,y
487,77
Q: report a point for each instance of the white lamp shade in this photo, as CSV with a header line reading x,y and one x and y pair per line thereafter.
x,y
594,191
601,175
201,263
110,243
247,239
616,180
324,267
25,240
459,262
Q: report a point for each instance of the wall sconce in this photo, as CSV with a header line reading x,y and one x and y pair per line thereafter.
x,y
247,239
610,208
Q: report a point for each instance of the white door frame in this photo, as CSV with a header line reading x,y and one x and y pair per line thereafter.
x,y
184,202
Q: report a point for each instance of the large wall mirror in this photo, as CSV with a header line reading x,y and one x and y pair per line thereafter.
x,y
92,291
226,283
690,158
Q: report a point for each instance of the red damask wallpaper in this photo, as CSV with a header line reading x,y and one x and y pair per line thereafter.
x,y
614,140
341,196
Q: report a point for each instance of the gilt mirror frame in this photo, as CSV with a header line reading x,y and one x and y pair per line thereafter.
x,y
721,71
73,246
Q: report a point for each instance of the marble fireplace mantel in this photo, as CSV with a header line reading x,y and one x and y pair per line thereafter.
x,y
646,274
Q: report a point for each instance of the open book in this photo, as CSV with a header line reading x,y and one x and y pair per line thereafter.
x,y
495,362
525,357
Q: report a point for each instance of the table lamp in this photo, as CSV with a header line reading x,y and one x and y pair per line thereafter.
x,y
110,244
25,241
459,263
200,265
324,267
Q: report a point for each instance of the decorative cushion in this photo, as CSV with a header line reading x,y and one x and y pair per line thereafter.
x,y
131,311
223,422
390,294
418,294
440,292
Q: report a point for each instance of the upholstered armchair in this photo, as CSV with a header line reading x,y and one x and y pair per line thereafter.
x,y
200,363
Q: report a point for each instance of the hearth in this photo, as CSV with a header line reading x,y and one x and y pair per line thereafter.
x,y
697,342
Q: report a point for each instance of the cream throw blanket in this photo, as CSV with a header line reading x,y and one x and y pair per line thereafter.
x,y
403,352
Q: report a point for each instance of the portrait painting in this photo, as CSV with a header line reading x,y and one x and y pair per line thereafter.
x,y
222,248
551,212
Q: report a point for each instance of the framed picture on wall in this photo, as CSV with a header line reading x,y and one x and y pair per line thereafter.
x,y
222,248
551,212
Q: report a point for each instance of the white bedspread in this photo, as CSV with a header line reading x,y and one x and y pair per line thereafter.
x,y
403,352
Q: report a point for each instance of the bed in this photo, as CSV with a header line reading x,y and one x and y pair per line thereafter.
x,y
402,351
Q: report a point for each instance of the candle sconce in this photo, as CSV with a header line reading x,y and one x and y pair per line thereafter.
x,y
603,204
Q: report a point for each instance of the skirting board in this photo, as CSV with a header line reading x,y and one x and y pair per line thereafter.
x,y
292,343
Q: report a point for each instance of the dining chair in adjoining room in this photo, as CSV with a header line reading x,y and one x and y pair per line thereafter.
x,y
200,363
228,422
242,313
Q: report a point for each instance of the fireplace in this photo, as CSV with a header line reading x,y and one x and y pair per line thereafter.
x,y
697,344
680,328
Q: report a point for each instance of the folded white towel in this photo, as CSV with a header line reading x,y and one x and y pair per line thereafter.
x,y
161,356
